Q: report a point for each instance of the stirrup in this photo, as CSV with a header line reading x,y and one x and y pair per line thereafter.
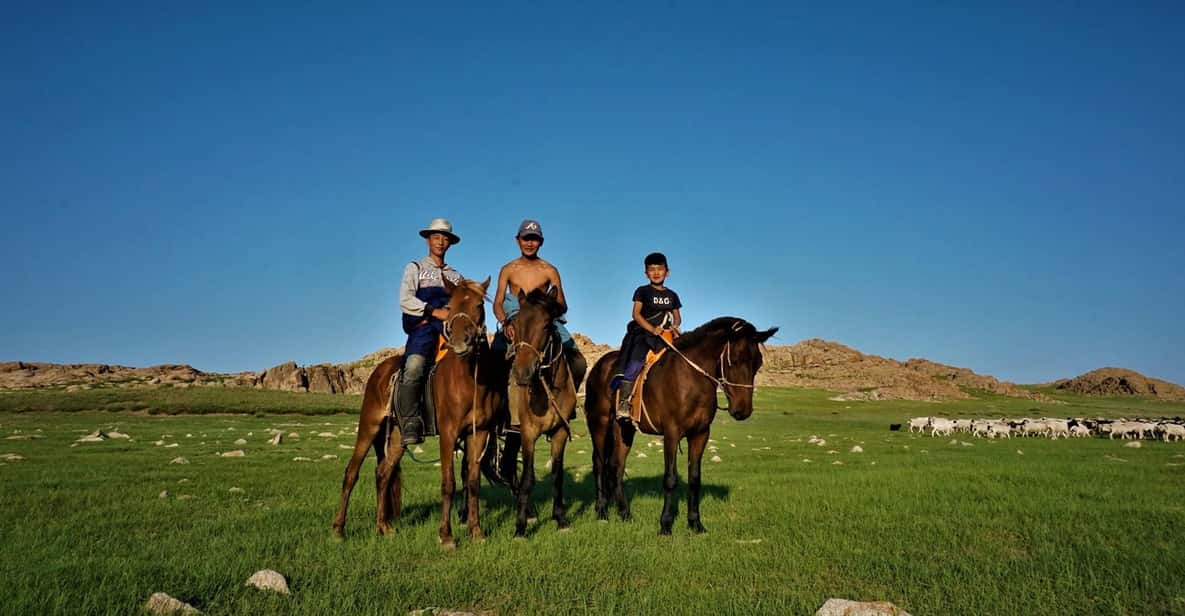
x,y
409,436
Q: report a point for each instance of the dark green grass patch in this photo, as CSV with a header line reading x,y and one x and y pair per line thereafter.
x,y
1020,526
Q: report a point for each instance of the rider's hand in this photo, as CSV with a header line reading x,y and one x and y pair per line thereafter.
x,y
440,313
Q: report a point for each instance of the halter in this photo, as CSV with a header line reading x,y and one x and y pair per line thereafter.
x,y
546,359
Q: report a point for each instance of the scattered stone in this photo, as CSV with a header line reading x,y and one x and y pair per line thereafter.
x,y
238,453
237,491
1134,445
327,435
172,445
580,452
267,579
93,437
444,611
845,607
953,442
732,444
716,459
118,435
22,437
301,459
12,457
293,435
857,449
250,434
188,436
178,461
345,446
820,443
806,460
641,455
241,441
185,497
183,480
277,439
747,540
837,463
329,456
158,443
164,605
164,494
966,444
418,449
1019,452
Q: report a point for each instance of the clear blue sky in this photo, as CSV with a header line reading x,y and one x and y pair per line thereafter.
x,y
1001,187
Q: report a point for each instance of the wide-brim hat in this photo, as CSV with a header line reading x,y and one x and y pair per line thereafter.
x,y
441,225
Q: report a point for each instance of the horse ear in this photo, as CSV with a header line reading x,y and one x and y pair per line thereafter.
x,y
765,335
522,297
485,285
553,292
449,285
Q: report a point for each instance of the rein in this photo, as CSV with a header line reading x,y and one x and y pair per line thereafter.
x,y
447,333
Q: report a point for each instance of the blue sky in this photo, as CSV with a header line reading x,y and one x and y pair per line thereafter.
x,y
1000,187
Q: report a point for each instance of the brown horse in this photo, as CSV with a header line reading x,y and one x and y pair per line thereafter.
x,y
544,392
468,405
679,402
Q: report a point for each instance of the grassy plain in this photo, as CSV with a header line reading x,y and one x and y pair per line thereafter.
x,y
997,527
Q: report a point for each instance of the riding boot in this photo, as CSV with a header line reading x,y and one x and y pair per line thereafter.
x,y
625,393
577,366
411,424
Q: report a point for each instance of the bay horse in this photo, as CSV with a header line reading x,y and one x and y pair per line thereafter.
x,y
543,391
679,401
469,402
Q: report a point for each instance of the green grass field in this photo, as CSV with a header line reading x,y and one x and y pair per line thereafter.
x,y
1066,527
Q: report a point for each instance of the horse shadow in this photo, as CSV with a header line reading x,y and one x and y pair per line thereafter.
x,y
499,509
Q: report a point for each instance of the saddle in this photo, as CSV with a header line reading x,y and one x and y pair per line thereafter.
x,y
652,357
428,409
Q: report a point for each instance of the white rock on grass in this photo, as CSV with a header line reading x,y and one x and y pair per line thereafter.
x,y
237,490
178,461
837,463
418,449
1134,445
445,611
164,605
293,435
715,459
241,441
277,439
12,457
164,494
329,456
845,607
327,435
641,455
301,459
238,453
857,449
119,435
267,579
172,445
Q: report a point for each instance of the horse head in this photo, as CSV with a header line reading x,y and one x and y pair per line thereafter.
x,y
534,333
465,325
739,362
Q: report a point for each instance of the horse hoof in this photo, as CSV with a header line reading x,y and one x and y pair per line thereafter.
x,y
697,528
565,529
477,537
664,531
448,546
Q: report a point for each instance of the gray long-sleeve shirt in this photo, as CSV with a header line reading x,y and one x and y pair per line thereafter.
x,y
422,273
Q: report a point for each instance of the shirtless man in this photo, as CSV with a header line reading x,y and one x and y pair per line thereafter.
x,y
527,273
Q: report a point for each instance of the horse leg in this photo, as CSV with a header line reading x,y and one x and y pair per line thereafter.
x,y
558,510
387,470
695,455
670,479
361,447
462,501
448,441
624,441
477,443
527,481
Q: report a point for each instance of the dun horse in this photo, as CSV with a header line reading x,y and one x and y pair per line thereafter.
x,y
679,402
544,393
467,402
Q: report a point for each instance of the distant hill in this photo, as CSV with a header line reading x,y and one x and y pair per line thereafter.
x,y
1120,382
816,364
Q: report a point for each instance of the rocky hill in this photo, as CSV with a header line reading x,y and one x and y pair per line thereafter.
x,y
814,363
1120,382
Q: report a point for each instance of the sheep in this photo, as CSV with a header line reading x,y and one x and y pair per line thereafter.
x,y
919,423
1168,430
943,426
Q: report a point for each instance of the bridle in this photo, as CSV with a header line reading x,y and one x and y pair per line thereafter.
x,y
447,331
547,358
722,381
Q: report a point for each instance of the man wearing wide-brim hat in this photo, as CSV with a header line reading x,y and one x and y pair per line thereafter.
x,y
424,302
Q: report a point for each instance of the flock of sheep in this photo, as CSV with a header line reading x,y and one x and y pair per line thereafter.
x,y
1163,429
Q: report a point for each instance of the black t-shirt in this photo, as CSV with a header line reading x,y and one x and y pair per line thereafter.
x,y
656,303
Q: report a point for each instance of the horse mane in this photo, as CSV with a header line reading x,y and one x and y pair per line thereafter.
x,y
473,286
731,328
541,298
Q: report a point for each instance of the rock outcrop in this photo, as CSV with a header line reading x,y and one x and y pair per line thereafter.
x,y
1120,382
